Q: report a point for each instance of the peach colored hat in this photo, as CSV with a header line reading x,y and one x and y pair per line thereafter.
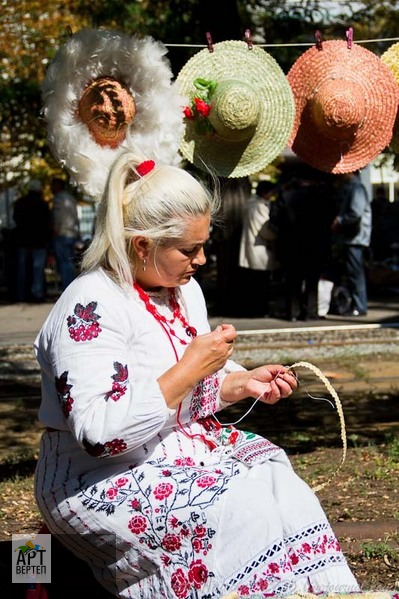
x,y
346,101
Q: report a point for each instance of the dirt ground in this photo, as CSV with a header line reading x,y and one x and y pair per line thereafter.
x,y
361,499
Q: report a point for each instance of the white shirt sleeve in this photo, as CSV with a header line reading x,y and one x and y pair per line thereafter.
x,y
91,383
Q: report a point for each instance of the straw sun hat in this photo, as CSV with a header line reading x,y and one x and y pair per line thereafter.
x,y
391,59
346,102
107,92
239,112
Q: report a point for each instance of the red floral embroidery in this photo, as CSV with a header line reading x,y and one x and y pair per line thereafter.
x,y
105,449
274,568
119,385
262,584
83,324
137,524
163,490
63,392
174,522
184,462
205,394
200,531
243,590
206,481
111,492
294,558
115,446
197,545
198,573
166,560
121,482
180,584
171,542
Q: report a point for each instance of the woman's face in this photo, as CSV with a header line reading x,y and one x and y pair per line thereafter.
x,y
178,260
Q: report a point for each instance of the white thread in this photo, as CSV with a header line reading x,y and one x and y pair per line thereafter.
x,y
338,406
242,417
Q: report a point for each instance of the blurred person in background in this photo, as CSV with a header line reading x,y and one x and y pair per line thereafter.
x,y
65,231
32,238
301,217
353,227
257,251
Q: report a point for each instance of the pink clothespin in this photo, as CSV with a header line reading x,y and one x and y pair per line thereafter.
x,y
349,37
248,39
319,40
209,42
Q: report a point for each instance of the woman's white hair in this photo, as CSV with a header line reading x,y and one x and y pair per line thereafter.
x,y
155,205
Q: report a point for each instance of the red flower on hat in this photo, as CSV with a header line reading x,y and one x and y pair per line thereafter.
x,y
202,107
188,113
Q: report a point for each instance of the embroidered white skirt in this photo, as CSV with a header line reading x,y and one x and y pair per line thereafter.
x,y
188,530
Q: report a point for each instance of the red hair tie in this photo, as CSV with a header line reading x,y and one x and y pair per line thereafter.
x,y
145,167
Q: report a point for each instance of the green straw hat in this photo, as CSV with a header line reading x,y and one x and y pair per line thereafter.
x,y
391,59
240,109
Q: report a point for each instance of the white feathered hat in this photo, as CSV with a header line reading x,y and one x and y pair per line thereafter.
x,y
107,92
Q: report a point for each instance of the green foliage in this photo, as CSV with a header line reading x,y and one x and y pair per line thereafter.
x,y
381,549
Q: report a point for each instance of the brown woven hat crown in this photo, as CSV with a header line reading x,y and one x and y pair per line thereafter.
x,y
251,109
346,102
107,107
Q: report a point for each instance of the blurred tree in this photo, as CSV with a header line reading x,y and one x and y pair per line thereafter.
x,y
30,35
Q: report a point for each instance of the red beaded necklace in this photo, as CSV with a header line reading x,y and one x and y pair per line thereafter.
x,y
167,324
167,327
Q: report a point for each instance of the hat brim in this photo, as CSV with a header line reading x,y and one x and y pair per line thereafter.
x,y
356,64
234,60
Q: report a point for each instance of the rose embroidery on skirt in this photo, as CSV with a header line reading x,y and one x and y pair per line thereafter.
x,y
165,514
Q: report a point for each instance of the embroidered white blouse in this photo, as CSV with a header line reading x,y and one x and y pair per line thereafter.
x,y
101,353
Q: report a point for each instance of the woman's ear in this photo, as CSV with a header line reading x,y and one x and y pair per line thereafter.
x,y
141,247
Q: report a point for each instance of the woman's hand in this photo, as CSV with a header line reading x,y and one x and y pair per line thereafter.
x,y
205,355
270,383
282,382
208,353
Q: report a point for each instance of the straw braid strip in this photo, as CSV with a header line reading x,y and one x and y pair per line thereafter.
x,y
364,595
338,405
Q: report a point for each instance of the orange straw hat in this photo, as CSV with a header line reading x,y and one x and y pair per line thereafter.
x,y
346,102
391,59
107,92
240,109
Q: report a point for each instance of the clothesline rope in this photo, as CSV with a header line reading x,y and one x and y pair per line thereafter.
x,y
290,45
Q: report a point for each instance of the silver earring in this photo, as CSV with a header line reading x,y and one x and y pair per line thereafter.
x,y
144,265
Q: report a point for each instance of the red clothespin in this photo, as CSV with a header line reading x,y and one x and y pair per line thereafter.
x,y
209,42
349,37
319,40
248,39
